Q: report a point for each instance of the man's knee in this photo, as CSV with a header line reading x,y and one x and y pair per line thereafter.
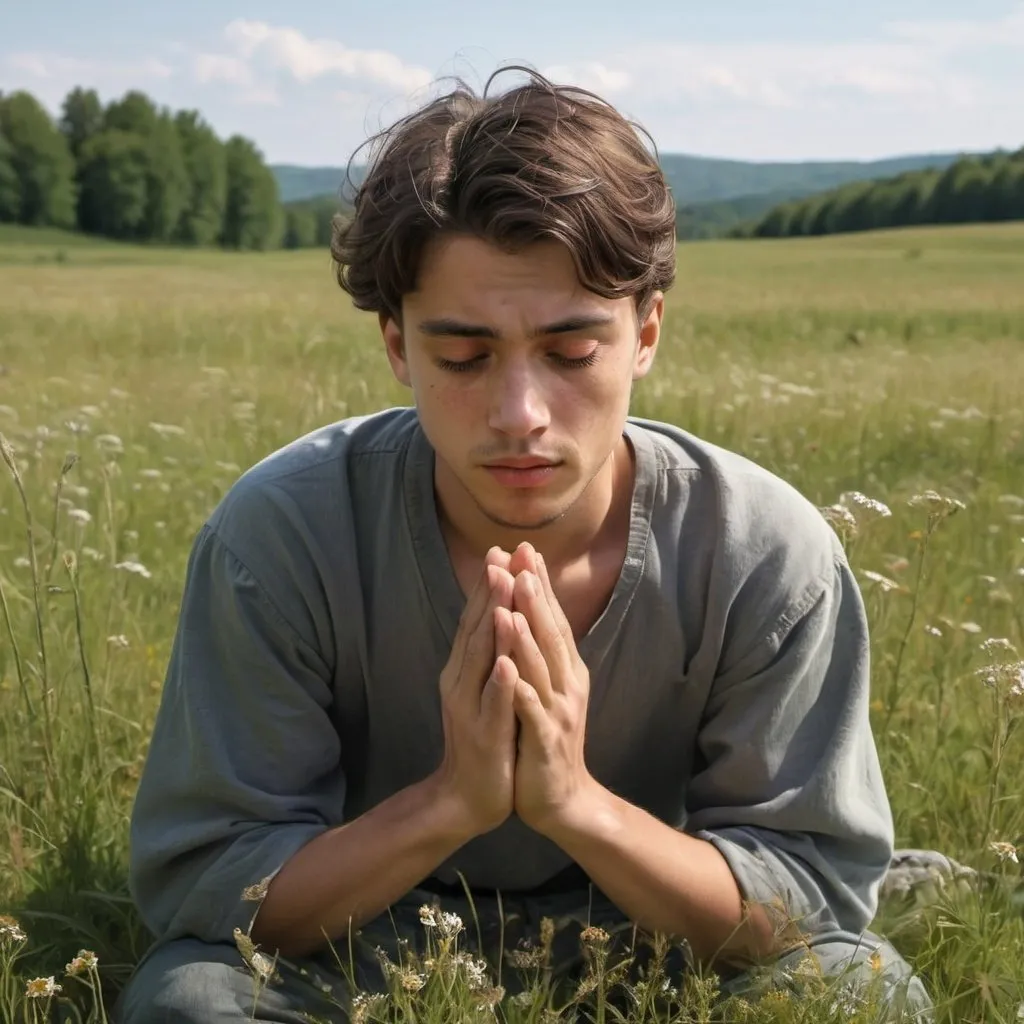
x,y
871,967
854,969
193,982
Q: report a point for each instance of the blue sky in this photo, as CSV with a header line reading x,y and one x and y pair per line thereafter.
x,y
793,80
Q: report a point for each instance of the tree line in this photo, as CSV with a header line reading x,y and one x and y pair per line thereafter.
x,y
135,172
971,190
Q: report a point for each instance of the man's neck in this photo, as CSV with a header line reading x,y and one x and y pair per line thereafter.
x,y
598,516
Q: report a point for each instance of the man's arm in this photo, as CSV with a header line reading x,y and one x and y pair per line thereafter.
x,y
244,784
349,875
787,808
664,880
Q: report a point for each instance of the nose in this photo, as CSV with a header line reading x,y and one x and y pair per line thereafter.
x,y
518,407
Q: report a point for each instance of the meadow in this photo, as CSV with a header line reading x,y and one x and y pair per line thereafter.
x,y
137,383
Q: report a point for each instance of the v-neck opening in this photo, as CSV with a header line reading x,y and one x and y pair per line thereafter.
x,y
437,571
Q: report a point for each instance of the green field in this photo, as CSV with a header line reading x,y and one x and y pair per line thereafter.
x,y
888,363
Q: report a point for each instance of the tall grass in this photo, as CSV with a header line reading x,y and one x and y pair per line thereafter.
x,y
133,392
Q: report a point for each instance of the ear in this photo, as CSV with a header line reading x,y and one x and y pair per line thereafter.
x,y
650,333
394,346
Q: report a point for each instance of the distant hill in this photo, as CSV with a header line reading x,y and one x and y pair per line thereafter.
x,y
975,189
693,179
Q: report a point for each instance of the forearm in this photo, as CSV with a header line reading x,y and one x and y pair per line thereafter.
x,y
353,873
662,879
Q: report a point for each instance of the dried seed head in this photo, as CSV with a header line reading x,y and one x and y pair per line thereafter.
x,y
1004,851
938,506
841,519
251,893
593,937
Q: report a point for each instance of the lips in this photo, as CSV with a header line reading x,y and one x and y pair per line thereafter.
x,y
520,473
520,464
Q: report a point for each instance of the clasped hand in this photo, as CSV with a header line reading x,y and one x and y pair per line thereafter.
x,y
515,697
551,695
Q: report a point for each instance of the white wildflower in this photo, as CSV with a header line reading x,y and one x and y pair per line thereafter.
x,y
936,504
970,627
151,474
884,583
449,925
871,505
21,562
428,917
80,516
134,567
85,961
120,641
10,929
96,556
168,429
993,644
366,1005
476,970
39,988
111,442
933,630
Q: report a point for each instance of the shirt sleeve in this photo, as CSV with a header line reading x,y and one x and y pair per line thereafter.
x,y
244,763
789,787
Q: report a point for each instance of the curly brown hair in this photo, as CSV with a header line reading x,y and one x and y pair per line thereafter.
x,y
537,163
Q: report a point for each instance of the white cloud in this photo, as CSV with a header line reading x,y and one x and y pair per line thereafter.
x,y
958,34
592,75
911,62
54,66
219,67
287,49
803,74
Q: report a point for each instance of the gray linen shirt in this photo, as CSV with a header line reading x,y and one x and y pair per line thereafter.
x,y
729,679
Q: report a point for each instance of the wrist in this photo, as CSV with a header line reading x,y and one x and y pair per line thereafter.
x,y
587,811
454,818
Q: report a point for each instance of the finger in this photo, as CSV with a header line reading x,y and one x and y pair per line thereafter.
x,y
529,709
556,609
532,603
479,650
529,660
523,558
477,602
498,695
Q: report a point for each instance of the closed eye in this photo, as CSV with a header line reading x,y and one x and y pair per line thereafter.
x,y
465,365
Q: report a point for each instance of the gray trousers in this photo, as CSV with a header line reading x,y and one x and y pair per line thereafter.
x,y
187,981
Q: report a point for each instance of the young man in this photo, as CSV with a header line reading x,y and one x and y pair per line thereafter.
x,y
512,637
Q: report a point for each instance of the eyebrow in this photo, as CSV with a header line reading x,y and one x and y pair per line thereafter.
x,y
448,327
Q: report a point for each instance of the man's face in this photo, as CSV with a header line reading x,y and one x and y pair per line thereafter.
x,y
522,378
